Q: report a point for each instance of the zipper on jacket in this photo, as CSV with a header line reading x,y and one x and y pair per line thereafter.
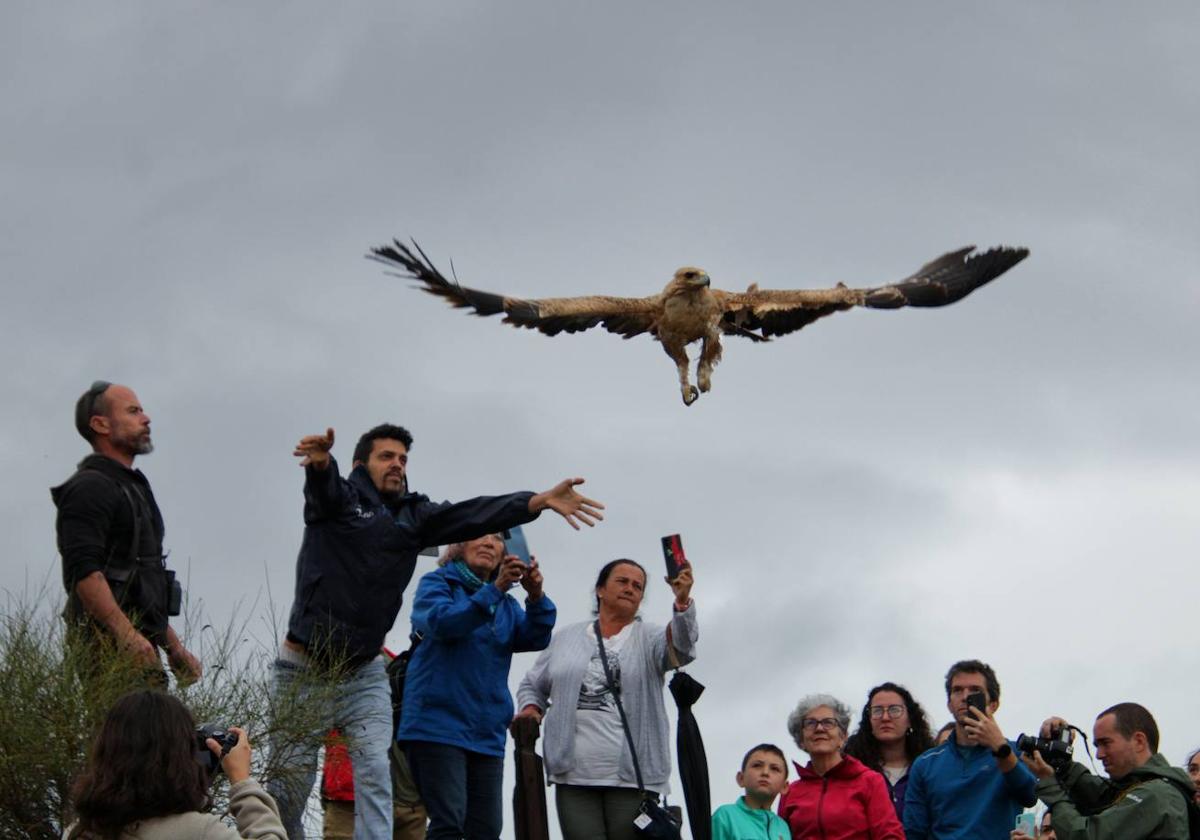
x,y
821,807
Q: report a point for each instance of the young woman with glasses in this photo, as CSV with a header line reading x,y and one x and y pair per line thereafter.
x,y
893,731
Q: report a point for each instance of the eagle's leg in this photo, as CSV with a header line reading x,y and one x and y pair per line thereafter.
x,y
678,354
710,354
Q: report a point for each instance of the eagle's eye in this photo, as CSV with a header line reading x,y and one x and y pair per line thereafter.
x,y
689,274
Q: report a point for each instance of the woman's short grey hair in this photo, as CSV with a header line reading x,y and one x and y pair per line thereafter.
x,y
809,702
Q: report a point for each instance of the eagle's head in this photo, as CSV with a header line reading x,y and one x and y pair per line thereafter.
x,y
688,279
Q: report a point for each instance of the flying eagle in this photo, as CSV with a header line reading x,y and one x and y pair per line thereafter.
x,y
688,309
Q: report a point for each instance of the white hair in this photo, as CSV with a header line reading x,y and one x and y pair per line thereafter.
x,y
795,721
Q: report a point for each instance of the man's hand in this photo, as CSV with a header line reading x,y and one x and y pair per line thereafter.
x,y
532,580
563,500
186,666
139,648
511,571
681,585
1018,834
314,449
983,729
530,711
1038,765
1054,723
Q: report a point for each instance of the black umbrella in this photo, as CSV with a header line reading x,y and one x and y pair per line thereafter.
x,y
529,795
693,763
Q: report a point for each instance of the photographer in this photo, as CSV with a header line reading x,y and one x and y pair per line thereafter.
x,y
1143,798
144,779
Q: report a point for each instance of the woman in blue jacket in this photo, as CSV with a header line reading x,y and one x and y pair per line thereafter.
x,y
457,706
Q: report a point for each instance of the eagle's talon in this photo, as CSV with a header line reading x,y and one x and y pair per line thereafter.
x,y
690,395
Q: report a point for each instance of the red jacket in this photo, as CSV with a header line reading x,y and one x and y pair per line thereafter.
x,y
850,802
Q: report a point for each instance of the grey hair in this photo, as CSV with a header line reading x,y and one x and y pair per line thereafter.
x,y
451,552
795,721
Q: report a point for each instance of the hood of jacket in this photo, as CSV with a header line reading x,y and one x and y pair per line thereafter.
x,y
1157,768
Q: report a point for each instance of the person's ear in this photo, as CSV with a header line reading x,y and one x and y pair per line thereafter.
x,y
740,783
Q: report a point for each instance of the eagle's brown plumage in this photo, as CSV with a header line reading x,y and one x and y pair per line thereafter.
x,y
687,310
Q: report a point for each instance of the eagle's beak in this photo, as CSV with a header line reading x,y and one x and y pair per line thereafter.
x,y
703,280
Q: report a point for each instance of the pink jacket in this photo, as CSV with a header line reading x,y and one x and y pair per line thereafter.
x,y
850,802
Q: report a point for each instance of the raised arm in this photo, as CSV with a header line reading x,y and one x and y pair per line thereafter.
x,y
537,621
324,491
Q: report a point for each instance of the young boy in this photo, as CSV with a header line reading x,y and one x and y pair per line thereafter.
x,y
763,776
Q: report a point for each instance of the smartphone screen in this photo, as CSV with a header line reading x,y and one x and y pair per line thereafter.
x,y
514,543
676,560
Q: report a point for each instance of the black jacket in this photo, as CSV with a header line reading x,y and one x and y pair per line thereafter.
x,y
95,526
358,556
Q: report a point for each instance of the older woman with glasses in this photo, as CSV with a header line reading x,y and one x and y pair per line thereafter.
x,y
836,797
893,731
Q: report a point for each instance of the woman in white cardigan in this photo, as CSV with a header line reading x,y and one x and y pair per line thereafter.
x,y
586,753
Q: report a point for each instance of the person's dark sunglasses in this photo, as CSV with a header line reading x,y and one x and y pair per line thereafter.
x,y
85,409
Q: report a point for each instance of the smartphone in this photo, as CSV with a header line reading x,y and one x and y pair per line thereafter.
x,y
1026,824
676,560
514,543
976,700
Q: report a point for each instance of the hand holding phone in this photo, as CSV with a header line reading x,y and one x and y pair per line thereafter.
x,y
673,555
1027,825
976,700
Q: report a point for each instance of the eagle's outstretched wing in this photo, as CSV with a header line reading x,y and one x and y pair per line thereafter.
x,y
625,316
948,278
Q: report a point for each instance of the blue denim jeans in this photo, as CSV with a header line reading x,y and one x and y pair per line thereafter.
x,y
461,790
361,708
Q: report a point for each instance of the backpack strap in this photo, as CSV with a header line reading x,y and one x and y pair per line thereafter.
x,y
124,572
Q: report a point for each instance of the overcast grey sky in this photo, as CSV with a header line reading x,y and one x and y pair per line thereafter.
x,y
189,190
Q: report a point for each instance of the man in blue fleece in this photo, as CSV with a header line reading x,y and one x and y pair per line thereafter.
x,y
971,787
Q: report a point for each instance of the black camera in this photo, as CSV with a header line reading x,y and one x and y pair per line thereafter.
x,y
205,756
1056,750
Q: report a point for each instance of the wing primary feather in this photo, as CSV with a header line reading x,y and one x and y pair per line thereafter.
x,y
947,279
420,267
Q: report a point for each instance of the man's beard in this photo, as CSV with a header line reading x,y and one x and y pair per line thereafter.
x,y
392,498
139,444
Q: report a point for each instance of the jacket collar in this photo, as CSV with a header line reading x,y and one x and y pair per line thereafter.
x,y
106,465
742,806
847,768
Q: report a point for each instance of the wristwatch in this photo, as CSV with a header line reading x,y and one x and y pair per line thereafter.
x,y
1003,752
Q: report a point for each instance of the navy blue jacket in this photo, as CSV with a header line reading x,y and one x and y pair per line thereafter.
x,y
456,689
358,556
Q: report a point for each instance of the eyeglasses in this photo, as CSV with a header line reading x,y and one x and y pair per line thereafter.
x,y
813,724
894,711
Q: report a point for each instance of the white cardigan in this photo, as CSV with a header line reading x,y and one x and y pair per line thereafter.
x,y
552,684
